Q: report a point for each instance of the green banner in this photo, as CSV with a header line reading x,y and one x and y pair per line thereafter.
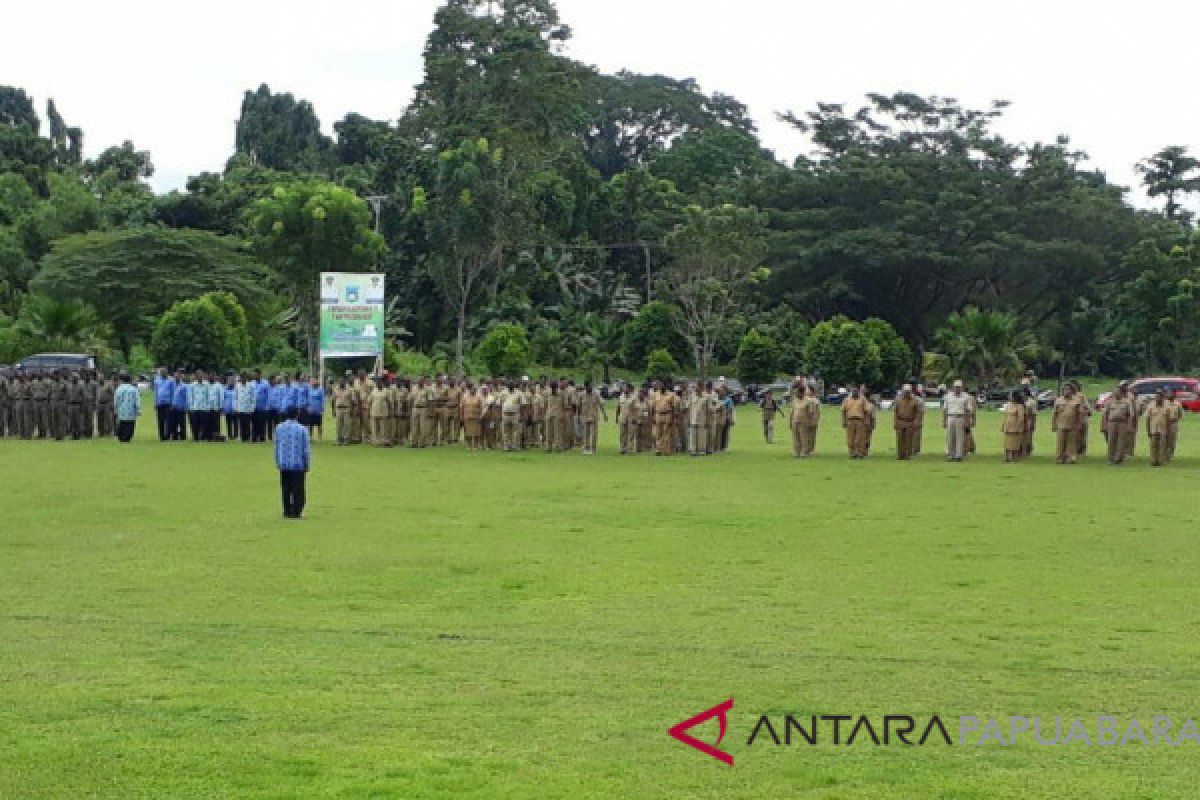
x,y
351,314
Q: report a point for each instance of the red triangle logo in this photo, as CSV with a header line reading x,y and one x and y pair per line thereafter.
x,y
718,711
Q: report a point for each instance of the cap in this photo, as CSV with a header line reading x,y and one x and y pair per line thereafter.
x,y
958,384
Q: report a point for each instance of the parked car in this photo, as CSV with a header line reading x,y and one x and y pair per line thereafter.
x,y
48,363
998,397
1187,391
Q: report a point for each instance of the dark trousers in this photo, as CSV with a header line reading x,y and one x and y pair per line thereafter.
x,y
125,429
273,418
260,426
178,424
246,425
214,425
196,423
163,416
233,425
291,481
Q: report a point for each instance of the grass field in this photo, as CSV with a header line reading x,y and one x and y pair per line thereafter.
x,y
451,624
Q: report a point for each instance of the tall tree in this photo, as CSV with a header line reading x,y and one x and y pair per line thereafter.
x,y
1171,173
309,227
715,254
280,132
474,213
133,275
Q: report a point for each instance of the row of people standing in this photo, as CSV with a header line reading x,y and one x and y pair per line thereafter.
x,y
250,405
555,415
79,405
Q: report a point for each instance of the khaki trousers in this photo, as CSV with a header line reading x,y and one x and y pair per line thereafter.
x,y
698,440
1066,450
1158,449
1116,444
590,427
956,438
629,436
904,442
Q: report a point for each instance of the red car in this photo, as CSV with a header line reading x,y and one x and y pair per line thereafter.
x,y
1187,391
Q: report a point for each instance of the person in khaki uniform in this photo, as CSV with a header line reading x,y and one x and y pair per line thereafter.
x,y
627,419
698,412
440,421
381,413
1065,424
645,420
904,416
1158,420
770,409
856,419
105,414
403,412
591,410
797,397
493,418
453,412
664,419
1139,408
716,421
570,409
471,414
59,411
537,401
74,401
1085,417
1012,426
1031,415
344,411
1174,415
1114,423
23,405
90,385
420,413
554,402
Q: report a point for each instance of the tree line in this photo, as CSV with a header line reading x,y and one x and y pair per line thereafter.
x,y
603,221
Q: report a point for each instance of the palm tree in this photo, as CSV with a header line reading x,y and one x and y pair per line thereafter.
x,y
602,341
62,325
986,345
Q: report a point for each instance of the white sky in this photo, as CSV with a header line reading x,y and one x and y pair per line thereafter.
x,y
1117,76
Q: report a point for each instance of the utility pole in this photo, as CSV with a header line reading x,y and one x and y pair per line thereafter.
x,y
376,202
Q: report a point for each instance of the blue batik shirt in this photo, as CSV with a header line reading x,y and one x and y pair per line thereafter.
x,y
291,446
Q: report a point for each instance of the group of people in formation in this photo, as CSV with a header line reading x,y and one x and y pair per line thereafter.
x,y
695,418
60,405
250,405
551,414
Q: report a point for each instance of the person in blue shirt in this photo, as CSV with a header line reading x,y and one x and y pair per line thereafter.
x,y
316,408
279,397
179,409
232,422
292,450
164,396
127,403
243,406
198,405
262,406
299,397
216,403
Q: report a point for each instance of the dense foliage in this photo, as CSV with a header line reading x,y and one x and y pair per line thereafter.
x,y
614,216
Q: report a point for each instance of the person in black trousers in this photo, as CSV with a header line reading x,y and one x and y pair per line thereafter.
x,y
292,459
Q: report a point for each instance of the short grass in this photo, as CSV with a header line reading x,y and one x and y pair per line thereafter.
x,y
450,624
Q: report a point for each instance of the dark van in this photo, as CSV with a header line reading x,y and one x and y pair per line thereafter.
x,y
47,363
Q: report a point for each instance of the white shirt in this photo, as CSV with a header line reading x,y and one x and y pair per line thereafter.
x,y
956,405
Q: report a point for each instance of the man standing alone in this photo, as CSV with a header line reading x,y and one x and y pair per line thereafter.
x,y
292,460
128,404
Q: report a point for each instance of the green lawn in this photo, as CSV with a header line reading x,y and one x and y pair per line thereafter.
x,y
453,624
